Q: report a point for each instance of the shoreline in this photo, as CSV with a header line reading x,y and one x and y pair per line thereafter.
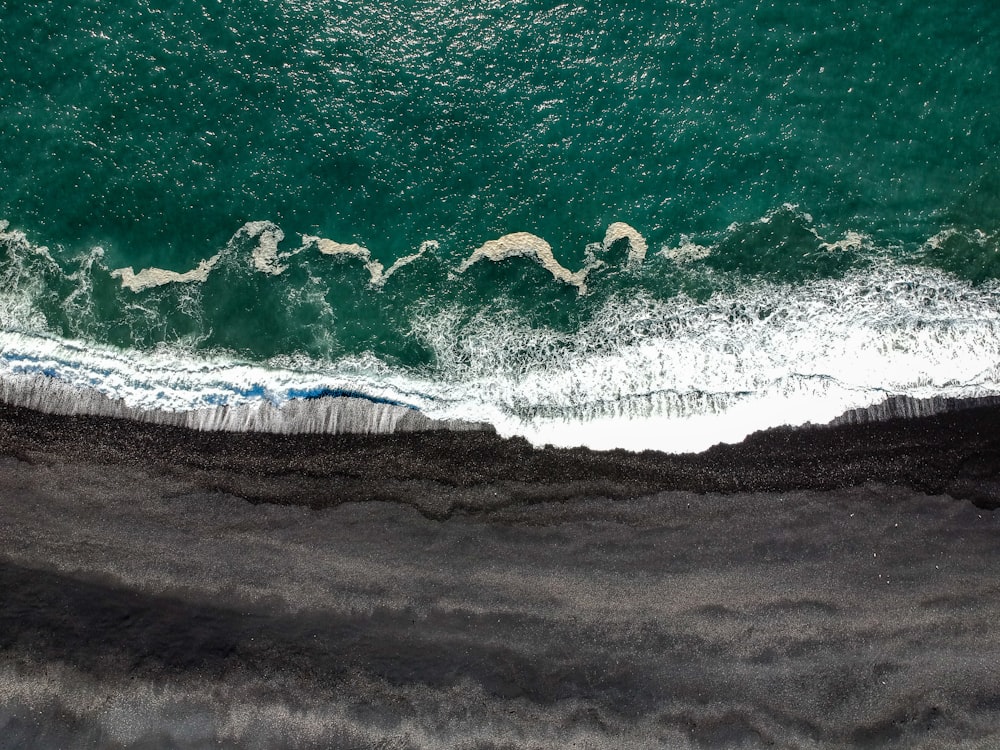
x,y
955,451
829,587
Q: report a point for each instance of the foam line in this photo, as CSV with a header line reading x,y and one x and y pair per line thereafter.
x,y
851,241
637,246
674,374
377,272
425,246
18,246
267,259
264,258
148,278
174,387
173,379
527,245
23,279
681,375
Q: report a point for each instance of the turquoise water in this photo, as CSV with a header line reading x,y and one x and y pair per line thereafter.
x,y
753,146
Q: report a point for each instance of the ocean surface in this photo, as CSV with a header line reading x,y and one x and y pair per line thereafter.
x,y
623,224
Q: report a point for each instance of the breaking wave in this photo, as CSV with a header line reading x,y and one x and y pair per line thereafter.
x,y
677,375
266,257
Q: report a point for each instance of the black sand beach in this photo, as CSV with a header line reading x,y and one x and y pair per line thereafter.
x,y
824,587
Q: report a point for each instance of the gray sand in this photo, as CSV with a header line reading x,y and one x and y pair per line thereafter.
x,y
139,608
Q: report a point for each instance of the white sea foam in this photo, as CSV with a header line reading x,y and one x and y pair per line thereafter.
x,y
376,271
171,386
682,375
672,375
333,414
686,252
637,245
22,279
265,258
850,241
148,278
677,375
974,237
934,242
527,245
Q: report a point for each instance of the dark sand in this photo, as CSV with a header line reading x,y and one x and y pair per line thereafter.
x,y
831,587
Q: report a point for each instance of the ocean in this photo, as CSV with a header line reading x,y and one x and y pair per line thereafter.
x,y
639,225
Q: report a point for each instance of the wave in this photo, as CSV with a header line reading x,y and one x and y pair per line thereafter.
x,y
31,275
683,374
676,375
267,259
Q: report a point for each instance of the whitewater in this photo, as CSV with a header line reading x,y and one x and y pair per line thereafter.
x,y
675,374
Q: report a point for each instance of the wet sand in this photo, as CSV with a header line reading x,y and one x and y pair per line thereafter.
x,y
830,587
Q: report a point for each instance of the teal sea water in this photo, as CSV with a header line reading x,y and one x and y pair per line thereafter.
x,y
584,223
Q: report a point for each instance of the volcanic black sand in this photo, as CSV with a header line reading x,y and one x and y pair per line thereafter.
x,y
829,587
